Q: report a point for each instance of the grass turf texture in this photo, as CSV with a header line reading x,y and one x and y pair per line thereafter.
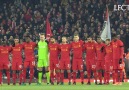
x,y
33,86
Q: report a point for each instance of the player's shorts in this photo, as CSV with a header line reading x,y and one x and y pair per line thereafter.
x,y
54,65
90,65
107,66
30,64
4,65
42,63
17,65
100,65
77,64
65,64
116,64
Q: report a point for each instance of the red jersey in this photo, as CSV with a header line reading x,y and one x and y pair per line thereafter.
x,y
65,51
117,53
77,48
29,50
17,52
54,51
109,54
4,53
0,49
90,50
100,55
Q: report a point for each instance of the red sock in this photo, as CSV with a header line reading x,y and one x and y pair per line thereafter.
x,y
113,76
8,76
58,77
14,77
74,76
88,75
95,75
121,76
108,77
69,76
100,76
31,74
0,77
82,76
62,77
24,75
52,77
116,75
105,77
21,76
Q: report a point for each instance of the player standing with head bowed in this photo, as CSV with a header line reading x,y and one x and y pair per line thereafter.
x,y
100,54
90,59
54,59
77,63
65,49
17,60
29,61
43,61
118,52
4,61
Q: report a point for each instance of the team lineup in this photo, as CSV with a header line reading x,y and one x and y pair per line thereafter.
x,y
98,57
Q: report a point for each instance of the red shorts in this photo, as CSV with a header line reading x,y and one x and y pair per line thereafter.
x,y
54,65
4,65
100,65
77,64
30,64
90,65
17,65
65,64
116,64
108,66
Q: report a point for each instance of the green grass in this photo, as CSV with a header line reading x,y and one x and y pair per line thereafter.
x,y
125,86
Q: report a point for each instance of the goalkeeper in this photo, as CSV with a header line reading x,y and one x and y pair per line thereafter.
x,y
43,61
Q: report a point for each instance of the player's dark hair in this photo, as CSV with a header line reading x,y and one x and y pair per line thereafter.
x,y
53,37
114,35
16,37
89,37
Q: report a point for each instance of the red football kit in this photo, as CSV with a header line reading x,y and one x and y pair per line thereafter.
x,y
100,53
54,60
17,57
77,62
90,55
108,62
108,57
4,62
77,48
29,59
4,57
54,52
118,52
29,54
100,56
65,59
65,56
90,59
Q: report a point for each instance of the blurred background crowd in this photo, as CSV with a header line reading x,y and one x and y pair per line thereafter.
x,y
86,17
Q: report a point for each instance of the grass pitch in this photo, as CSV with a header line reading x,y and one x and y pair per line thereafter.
x,y
33,86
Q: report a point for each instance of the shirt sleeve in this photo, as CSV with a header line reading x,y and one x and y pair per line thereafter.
x,y
120,43
121,49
